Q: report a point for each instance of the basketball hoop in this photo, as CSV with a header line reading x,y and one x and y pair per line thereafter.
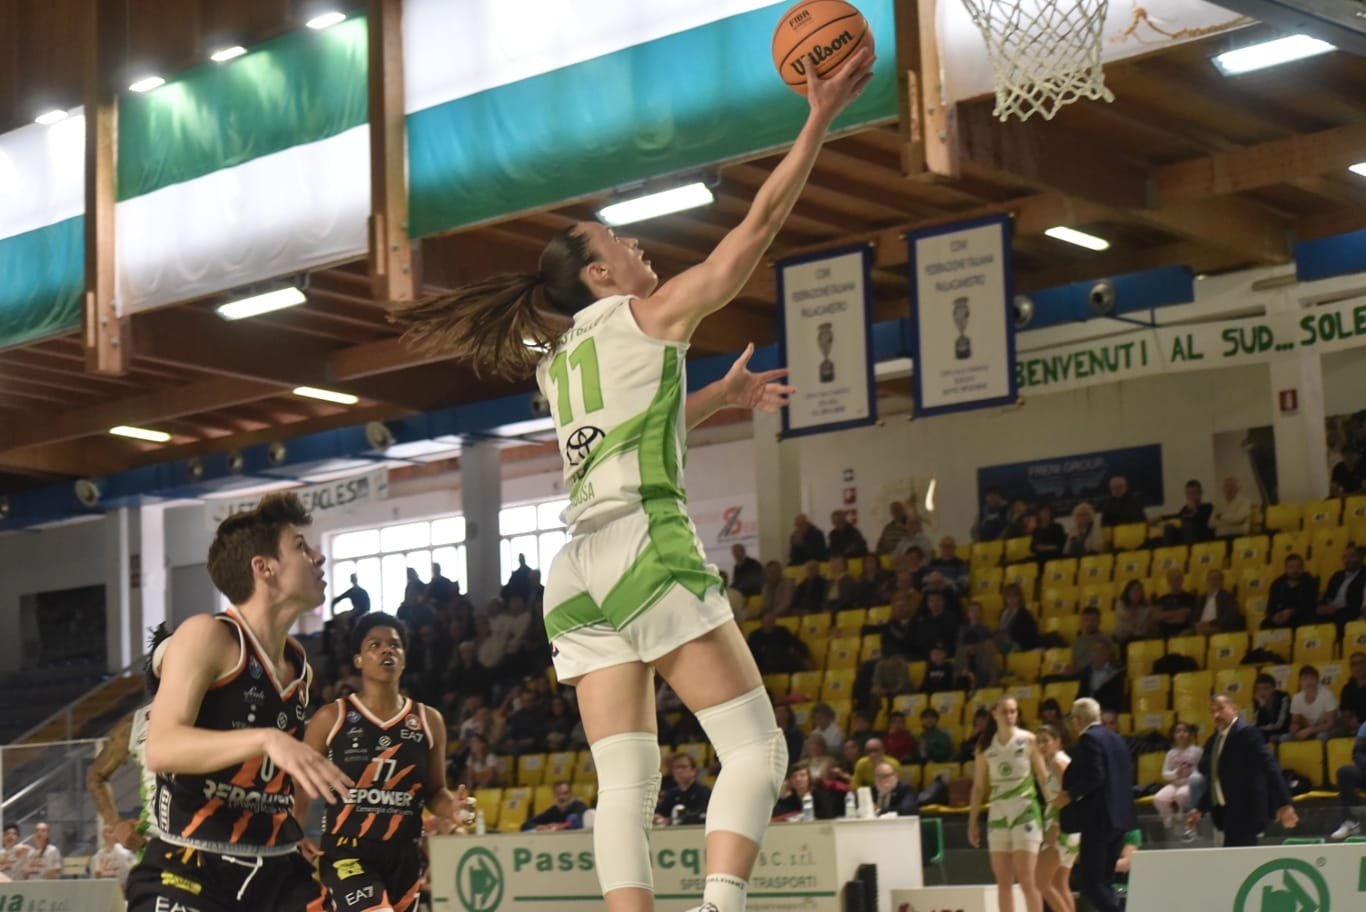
x,y
1044,53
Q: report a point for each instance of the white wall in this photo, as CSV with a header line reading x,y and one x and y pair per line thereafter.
x,y
64,557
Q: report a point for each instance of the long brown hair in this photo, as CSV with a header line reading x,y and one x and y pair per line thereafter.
x,y
495,325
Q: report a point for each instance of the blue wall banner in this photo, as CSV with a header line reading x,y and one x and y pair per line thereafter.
x,y
825,340
1065,481
962,334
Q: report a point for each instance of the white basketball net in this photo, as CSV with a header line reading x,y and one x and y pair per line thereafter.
x,y
1044,53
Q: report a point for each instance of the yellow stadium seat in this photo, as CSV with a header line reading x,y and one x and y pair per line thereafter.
x,y
531,767
982,698
1226,650
843,654
879,614
825,569
1250,551
1062,691
1150,768
842,709
807,683
1027,697
489,801
987,554
1057,601
1283,544
1056,661
871,647
1097,595
1255,581
1132,565
814,625
838,685
1277,640
1168,557
1018,549
1354,509
559,767
992,606
885,562
1338,754
911,774
1024,576
916,670
1332,675
754,603
512,814
586,792
1191,691
1326,546
792,622
524,792
1356,530
1254,609
505,767
1024,665
1319,514
1151,693
1208,556
854,566
1124,723
748,627
1066,626
1096,568
1059,573
1237,682
1304,757
851,620
1353,638
1156,721
795,573
543,798
776,684
1282,675
1283,517
818,646
1314,643
986,580
949,704
1140,655
1130,536
912,705
1192,645
584,771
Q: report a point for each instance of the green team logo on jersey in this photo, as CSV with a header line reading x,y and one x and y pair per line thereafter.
x,y
1284,885
479,881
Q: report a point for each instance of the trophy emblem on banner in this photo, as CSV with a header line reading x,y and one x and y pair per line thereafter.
x,y
962,346
825,340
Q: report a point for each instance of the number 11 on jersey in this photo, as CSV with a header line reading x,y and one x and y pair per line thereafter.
x,y
584,359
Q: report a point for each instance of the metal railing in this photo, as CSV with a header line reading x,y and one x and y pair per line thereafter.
x,y
66,713
45,782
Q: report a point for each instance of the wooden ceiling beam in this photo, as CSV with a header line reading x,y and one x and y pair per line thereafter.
x,y
391,252
1327,224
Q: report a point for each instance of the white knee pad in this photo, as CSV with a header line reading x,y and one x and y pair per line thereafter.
x,y
753,754
628,788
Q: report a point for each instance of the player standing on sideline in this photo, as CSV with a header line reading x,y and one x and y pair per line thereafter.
x,y
395,750
224,732
631,592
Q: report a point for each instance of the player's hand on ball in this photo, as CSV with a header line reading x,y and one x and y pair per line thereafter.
x,y
313,773
831,95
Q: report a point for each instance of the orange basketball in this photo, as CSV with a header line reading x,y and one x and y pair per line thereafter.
x,y
829,30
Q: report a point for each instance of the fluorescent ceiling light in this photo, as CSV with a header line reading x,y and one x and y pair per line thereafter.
x,y
1358,168
138,433
1269,54
652,205
147,84
50,117
227,53
1080,238
325,20
312,392
262,303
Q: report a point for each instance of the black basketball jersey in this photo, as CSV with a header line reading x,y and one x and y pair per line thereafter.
x,y
245,808
388,761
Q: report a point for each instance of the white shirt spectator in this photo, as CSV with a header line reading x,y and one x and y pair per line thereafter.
x,y
834,738
12,861
1313,713
44,865
1231,516
114,863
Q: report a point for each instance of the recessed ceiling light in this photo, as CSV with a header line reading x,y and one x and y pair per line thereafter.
x,y
227,53
325,20
313,392
1080,238
1269,54
653,205
1358,168
50,117
147,84
256,305
138,433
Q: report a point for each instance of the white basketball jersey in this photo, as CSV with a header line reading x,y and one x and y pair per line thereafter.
x,y
617,399
147,780
1009,768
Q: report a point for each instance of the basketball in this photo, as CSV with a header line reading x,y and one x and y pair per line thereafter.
x,y
828,30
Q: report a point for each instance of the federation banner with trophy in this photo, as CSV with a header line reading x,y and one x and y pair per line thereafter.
x,y
962,331
825,338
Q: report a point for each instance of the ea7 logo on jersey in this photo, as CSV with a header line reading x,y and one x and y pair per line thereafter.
x,y
414,736
170,905
355,896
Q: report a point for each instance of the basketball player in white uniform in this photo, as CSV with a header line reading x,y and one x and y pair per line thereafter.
x,y
1059,850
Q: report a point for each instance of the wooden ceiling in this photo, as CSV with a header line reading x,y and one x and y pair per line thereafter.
x,y
1185,167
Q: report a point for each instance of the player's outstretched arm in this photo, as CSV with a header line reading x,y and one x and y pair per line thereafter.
x,y
739,388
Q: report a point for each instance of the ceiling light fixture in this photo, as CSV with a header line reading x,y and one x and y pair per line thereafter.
x,y
48,118
147,84
1080,238
325,20
137,433
313,392
227,53
1358,168
1269,54
653,205
259,304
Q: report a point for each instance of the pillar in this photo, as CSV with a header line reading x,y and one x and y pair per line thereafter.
x,y
481,493
1301,445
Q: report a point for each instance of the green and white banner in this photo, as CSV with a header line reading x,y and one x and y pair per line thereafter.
x,y
62,896
1196,346
1300,878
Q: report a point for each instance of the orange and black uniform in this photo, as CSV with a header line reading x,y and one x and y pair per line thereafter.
x,y
370,841
228,839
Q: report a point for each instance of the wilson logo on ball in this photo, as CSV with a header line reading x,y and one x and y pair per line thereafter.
x,y
822,53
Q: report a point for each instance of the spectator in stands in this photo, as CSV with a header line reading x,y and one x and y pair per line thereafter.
x,y
1050,713
1122,506
685,791
776,649
526,725
1049,537
976,660
1270,708
1348,475
1232,516
1017,629
481,765
891,796
898,741
1350,776
1085,537
807,543
1293,599
739,605
358,597
874,753
948,563
816,755
1088,636
915,538
845,539
560,720
1180,767
565,814
748,573
1020,522
934,581
868,586
787,724
1103,680
936,624
894,531
13,854
1133,616
940,673
861,725
899,633
776,595
45,861
112,861
1314,710
839,594
1220,613
809,596
981,720
1353,698
440,588
1191,523
850,753
823,724
936,746
891,678
993,518
798,785
1176,608
1343,596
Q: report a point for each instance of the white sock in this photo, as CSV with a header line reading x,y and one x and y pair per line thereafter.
x,y
725,892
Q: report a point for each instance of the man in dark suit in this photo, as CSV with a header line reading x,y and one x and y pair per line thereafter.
x,y
1097,801
1103,679
1244,787
1342,597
